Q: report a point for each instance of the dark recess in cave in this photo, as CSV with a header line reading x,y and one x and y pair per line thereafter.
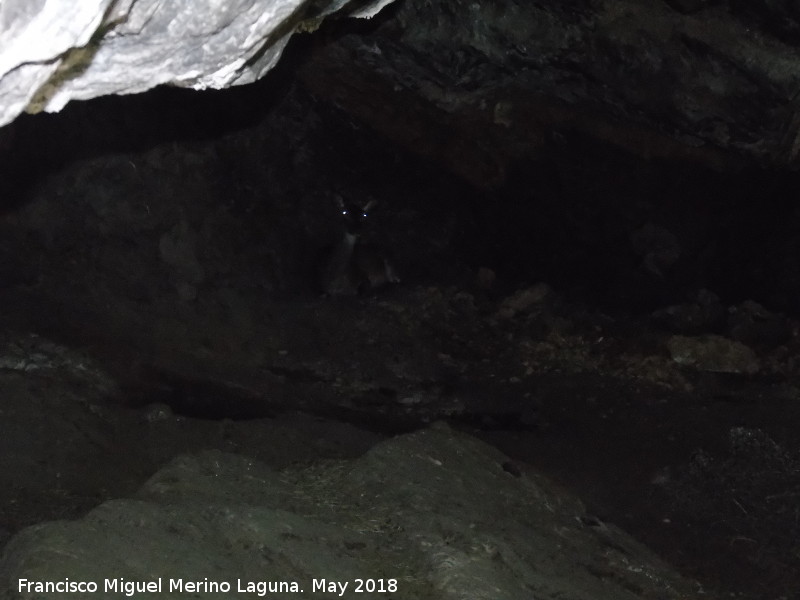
x,y
566,220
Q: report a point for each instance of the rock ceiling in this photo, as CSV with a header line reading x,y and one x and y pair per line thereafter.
x,y
476,84
54,52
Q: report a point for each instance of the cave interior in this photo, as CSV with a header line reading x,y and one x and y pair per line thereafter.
x,y
624,321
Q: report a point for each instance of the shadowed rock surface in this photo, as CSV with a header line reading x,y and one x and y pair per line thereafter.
x,y
436,514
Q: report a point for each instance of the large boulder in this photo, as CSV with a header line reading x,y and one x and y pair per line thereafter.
x,y
433,514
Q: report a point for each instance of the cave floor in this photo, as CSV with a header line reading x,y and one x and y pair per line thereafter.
x,y
703,467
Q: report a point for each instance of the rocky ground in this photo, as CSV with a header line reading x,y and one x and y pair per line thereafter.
x,y
703,466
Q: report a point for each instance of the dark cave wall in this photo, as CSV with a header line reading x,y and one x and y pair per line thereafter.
x,y
245,186
573,220
238,188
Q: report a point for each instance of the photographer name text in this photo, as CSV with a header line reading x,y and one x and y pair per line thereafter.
x,y
131,588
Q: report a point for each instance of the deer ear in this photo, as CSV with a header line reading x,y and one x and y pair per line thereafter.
x,y
370,205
